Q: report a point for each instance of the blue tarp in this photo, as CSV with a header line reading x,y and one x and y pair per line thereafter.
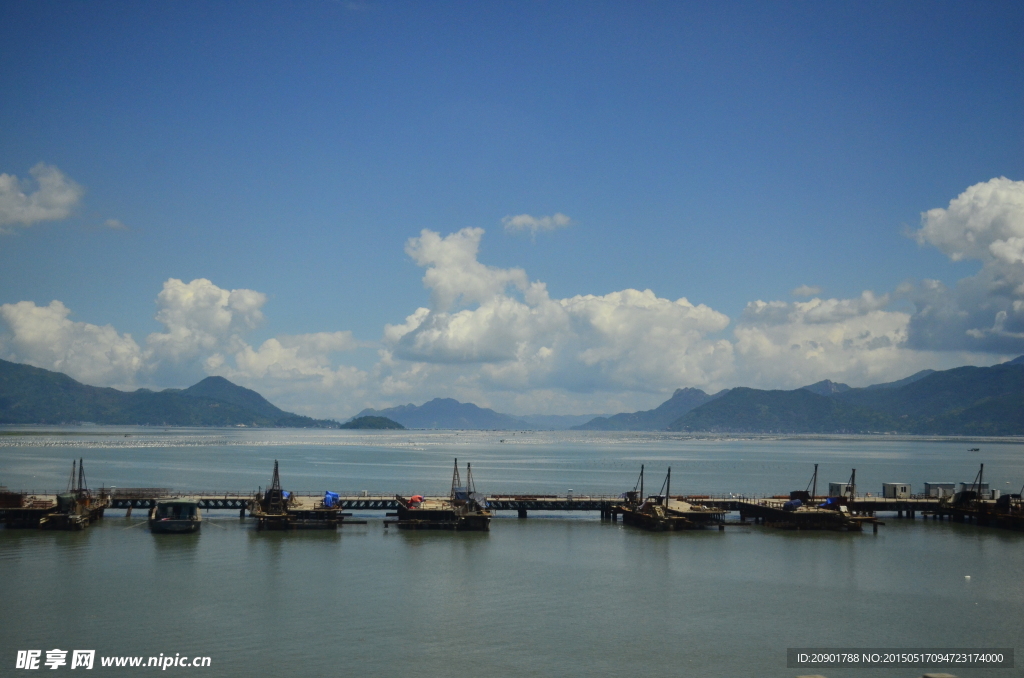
x,y
330,498
831,502
285,494
792,505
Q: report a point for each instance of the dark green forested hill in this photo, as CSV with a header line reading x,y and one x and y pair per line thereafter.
x,y
745,410
961,401
30,395
379,423
681,402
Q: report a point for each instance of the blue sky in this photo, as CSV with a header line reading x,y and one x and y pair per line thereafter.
x,y
725,153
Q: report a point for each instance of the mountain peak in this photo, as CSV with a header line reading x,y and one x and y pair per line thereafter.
x,y
826,387
447,413
219,388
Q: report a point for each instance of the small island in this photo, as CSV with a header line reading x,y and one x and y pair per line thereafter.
x,y
372,422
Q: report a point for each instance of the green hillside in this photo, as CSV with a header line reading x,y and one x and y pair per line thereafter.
x,y
747,410
30,395
961,401
379,423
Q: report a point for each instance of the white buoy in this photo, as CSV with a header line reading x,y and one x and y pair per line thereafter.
x,y
967,577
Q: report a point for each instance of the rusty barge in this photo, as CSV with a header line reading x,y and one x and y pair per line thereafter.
x,y
463,510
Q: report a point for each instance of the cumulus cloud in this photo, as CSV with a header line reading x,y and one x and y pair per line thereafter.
x,y
985,222
301,356
496,337
43,336
205,328
786,345
291,367
806,291
453,273
202,318
48,196
524,222
508,332
983,312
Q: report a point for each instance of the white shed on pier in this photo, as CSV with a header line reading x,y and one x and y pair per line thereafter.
x,y
939,490
896,490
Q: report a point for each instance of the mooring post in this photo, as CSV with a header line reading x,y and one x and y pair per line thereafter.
x,y
129,513
241,513
874,527
522,513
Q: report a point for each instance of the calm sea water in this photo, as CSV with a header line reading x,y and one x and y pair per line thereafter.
x,y
550,595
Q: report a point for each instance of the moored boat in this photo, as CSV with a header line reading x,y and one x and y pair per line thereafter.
x,y
76,508
175,516
662,512
278,509
463,510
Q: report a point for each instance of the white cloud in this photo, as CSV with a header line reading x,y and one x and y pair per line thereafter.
x,y
453,273
806,291
115,224
44,337
289,369
495,337
204,331
983,312
519,350
525,222
788,345
985,222
54,198
301,356
200,318
514,336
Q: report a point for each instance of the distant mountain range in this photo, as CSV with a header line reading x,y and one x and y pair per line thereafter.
x,y
681,402
30,395
447,413
961,401
985,401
